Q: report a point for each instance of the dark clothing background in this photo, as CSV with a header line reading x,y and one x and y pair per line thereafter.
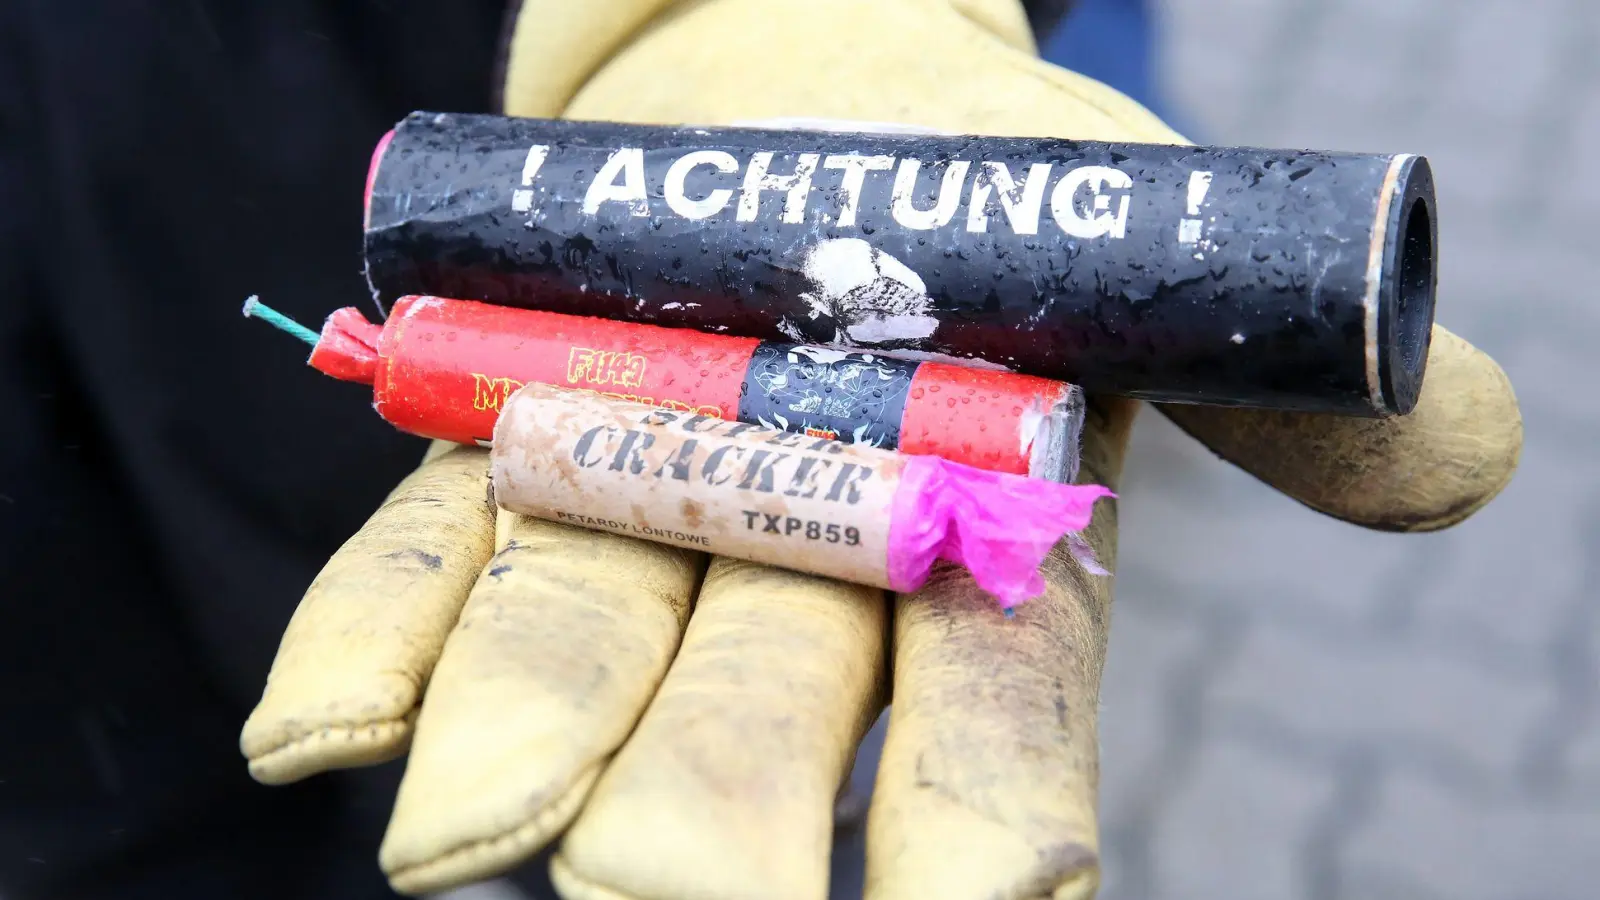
x,y
171,475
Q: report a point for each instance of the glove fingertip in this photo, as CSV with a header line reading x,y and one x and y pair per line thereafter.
x,y
1426,471
332,747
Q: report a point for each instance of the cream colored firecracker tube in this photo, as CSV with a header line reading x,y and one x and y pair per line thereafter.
x,y
699,482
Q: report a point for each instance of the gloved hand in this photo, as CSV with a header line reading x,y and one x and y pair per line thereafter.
x,y
687,725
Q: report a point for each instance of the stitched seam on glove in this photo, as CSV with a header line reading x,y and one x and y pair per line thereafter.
x,y
511,845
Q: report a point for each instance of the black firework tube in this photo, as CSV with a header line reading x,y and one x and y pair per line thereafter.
x,y
1283,279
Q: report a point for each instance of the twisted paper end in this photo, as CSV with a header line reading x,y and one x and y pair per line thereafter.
x,y
999,526
348,349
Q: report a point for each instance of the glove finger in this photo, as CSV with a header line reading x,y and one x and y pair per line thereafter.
x,y
558,650
1421,472
566,42
569,41
830,64
351,667
987,783
1005,19
726,788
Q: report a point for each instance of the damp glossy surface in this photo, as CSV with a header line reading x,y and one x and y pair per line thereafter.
x,y
1229,276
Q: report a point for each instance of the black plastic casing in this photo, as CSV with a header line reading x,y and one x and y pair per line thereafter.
x,y
1290,280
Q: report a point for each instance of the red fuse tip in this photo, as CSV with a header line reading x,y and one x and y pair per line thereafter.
x,y
347,349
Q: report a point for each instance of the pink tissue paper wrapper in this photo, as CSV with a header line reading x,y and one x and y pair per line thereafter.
x,y
1000,527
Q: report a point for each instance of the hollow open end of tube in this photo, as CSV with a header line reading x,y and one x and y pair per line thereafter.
x,y
1406,302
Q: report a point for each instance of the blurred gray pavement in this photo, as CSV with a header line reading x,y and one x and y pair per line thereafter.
x,y
1295,707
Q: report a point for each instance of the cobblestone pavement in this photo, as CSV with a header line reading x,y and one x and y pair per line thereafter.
x,y
1295,707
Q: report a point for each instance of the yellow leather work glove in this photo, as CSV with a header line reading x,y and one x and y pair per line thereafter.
x,y
686,723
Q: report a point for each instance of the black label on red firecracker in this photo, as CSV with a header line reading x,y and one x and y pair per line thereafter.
x,y
844,395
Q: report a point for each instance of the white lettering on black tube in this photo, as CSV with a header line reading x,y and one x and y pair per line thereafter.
x,y
1084,202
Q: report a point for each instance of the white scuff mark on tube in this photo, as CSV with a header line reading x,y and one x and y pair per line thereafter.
x,y
422,303
971,362
871,297
1032,421
892,328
